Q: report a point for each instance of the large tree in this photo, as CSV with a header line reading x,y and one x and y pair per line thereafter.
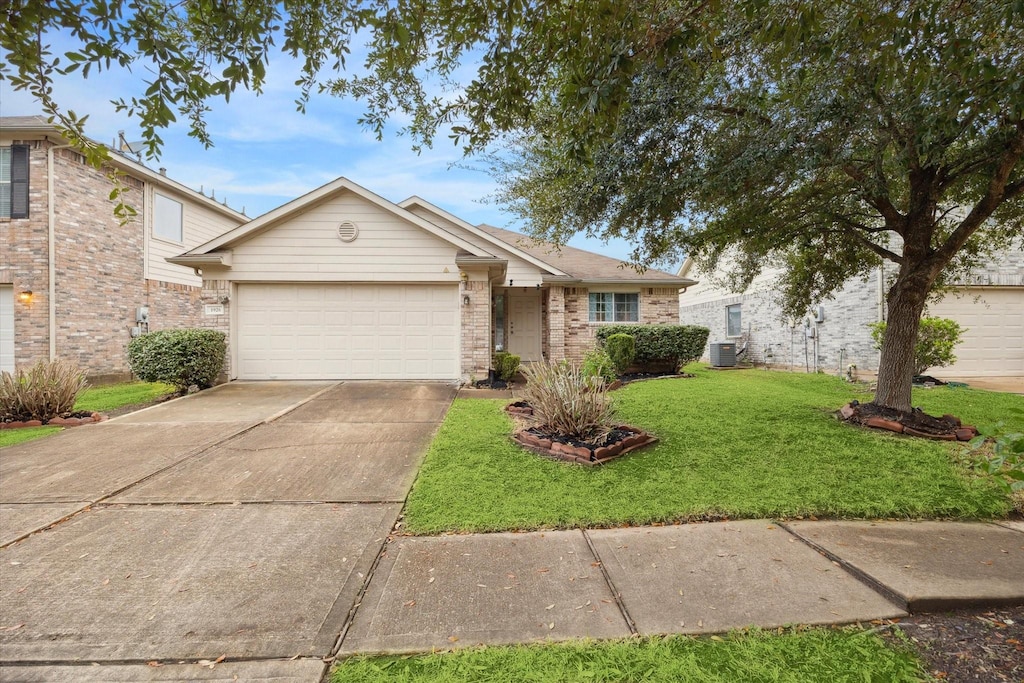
x,y
827,135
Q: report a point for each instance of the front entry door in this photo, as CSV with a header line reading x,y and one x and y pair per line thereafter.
x,y
524,326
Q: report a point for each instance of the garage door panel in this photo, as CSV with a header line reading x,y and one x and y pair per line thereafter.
x,y
993,343
336,331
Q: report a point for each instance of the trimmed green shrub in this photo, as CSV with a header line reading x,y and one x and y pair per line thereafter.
x,y
621,349
936,339
597,363
178,357
675,344
44,391
506,365
567,402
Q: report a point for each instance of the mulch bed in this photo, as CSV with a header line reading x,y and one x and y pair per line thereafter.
x,y
915,423
966,645
621,440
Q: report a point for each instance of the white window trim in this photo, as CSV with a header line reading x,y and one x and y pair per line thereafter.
x,y
161,238
639,308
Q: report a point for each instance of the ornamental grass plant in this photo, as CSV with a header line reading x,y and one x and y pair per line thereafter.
x,y
568,402
44,391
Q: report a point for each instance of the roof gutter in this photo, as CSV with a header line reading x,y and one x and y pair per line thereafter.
x,y
674,283
214,258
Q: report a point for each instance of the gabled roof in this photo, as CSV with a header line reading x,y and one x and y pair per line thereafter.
x,y
38,125
482,234
242,232
585,266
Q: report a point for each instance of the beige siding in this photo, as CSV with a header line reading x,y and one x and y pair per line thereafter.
x,y
307,248
522,273
200,224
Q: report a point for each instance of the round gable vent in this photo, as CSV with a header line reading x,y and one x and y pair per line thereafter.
x,y
348,231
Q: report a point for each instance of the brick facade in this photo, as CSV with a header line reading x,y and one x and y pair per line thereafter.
x,y
98,266
476,328
569,332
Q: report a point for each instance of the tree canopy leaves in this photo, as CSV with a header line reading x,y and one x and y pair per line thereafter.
x,y
826,136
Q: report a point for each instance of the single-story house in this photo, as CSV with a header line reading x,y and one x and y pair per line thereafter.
x,y
989,304
344,284
74,280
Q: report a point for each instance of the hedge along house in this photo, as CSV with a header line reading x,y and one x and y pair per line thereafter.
x,y
74,279
344,284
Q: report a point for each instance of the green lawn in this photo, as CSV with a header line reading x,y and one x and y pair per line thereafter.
x,y
114,396
794,657
736,444
98,400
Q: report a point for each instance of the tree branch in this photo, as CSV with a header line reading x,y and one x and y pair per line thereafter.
x,y
892,216
998,192
880,250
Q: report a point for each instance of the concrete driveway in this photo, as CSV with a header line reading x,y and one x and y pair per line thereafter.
x,y
240,522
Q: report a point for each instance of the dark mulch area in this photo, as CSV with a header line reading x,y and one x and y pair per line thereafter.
x,y
490,384
637,376
967,645
916,419
613,437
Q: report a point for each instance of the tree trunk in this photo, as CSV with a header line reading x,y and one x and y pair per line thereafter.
x,y
896,368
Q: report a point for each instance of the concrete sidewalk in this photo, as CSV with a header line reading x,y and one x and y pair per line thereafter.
x,y
486,589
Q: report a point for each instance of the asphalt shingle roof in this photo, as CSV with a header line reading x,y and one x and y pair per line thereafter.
x,y
581,264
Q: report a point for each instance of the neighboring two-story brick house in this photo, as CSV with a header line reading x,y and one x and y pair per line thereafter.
x,y
73,278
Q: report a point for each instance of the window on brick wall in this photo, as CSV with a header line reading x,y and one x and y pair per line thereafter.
x,y
733,320
167,223
14,181
614,307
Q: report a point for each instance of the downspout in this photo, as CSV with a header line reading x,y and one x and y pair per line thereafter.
x,y
51,248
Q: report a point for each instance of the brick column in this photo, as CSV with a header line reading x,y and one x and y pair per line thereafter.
x,y
556,323
476,326
217,292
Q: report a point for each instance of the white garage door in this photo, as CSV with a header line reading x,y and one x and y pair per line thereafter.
x,y
993,345
339,331
6,328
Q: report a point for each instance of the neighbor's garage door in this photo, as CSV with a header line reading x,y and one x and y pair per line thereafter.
x,y
339,331
6,328
993,345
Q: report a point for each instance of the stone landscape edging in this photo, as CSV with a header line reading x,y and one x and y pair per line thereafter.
x,y
580,454
55,422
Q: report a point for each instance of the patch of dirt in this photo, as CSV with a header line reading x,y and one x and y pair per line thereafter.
x,y
967,645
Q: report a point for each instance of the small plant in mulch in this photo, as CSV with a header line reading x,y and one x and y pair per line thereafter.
x,y
915,423
572,416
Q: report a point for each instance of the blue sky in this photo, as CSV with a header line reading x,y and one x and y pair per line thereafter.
x,y
266,153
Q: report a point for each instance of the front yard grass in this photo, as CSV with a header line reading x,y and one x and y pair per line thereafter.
x,y
96,400
792,657
736,444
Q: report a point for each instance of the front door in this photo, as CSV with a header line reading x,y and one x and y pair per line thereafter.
x,y
524,326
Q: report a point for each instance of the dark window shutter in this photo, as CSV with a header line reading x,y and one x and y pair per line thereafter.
x,y
19,181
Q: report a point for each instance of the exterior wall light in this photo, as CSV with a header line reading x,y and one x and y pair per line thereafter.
x,y
25,296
